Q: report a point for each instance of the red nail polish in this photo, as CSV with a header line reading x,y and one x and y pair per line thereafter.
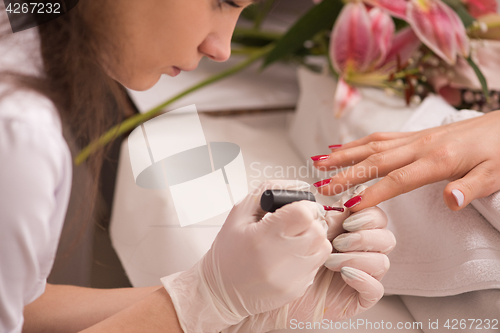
x,y
329,208
323,182
320,158
335,146
353,202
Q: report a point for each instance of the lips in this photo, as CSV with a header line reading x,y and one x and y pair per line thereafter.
x,y
176,71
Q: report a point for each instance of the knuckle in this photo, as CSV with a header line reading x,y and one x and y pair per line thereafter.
x,y
468,187
443,154
342,155
375,146
428,139
399,178
301,211
376,159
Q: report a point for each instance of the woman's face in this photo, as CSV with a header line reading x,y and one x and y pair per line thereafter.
x,y
155,37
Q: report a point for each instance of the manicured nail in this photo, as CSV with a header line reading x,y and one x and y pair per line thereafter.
x,y
459,197
357,221
329,208
353,202
323,182
344,241
335,146
320,158
351,273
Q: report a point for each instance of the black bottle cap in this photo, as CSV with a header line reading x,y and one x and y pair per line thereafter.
x,y
271,200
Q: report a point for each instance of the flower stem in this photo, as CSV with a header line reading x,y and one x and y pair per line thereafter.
x,y
136,120
252,33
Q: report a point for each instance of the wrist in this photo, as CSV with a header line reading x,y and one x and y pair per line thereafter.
x,y
197,307
262,322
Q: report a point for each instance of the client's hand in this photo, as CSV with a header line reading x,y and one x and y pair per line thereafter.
x,y
350,281
257,263
465,153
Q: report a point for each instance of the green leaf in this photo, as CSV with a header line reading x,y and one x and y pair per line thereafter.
x,y
319,17
251,12
480,76
461,11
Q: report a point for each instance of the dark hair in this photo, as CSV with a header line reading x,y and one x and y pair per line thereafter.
x,y
77,85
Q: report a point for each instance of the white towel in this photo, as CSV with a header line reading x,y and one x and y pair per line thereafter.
x,y
441,252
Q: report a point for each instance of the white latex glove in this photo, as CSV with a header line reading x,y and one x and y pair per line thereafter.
x,y
257,263
349,283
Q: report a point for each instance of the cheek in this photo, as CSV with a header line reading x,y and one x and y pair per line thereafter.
x,y
135,78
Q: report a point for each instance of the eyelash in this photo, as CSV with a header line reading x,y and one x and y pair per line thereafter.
x,y
230,3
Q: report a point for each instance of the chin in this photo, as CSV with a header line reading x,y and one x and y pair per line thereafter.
x,y
140,83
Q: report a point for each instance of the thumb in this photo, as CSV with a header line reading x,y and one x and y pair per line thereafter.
x,y
295,218
252,202
477,183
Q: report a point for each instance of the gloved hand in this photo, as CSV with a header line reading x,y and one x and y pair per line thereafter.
x,y
258,262
349,283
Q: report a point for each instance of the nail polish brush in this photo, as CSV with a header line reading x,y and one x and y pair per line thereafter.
x,y
271,200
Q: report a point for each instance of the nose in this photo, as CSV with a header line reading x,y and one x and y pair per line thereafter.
x,y
216,46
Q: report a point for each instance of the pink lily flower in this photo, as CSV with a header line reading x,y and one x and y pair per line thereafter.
x,y
396,8
438,27
360,40
478,8
346,97
404,44
359,44
461,38
382,28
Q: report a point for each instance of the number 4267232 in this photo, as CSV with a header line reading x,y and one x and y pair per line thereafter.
x,y
34,8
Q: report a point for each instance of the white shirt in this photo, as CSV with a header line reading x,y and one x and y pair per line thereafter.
x,y
35,184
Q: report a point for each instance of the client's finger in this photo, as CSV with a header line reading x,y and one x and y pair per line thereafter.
x,y
375,264
375,166
408,178
376,240
349,156
477,183
377,136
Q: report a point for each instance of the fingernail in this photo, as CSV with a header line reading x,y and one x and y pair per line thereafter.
x,y
351,273
459,197
329,208
335,146
320,158
357,221
323,182
344,241
359,189
353,202
335,260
